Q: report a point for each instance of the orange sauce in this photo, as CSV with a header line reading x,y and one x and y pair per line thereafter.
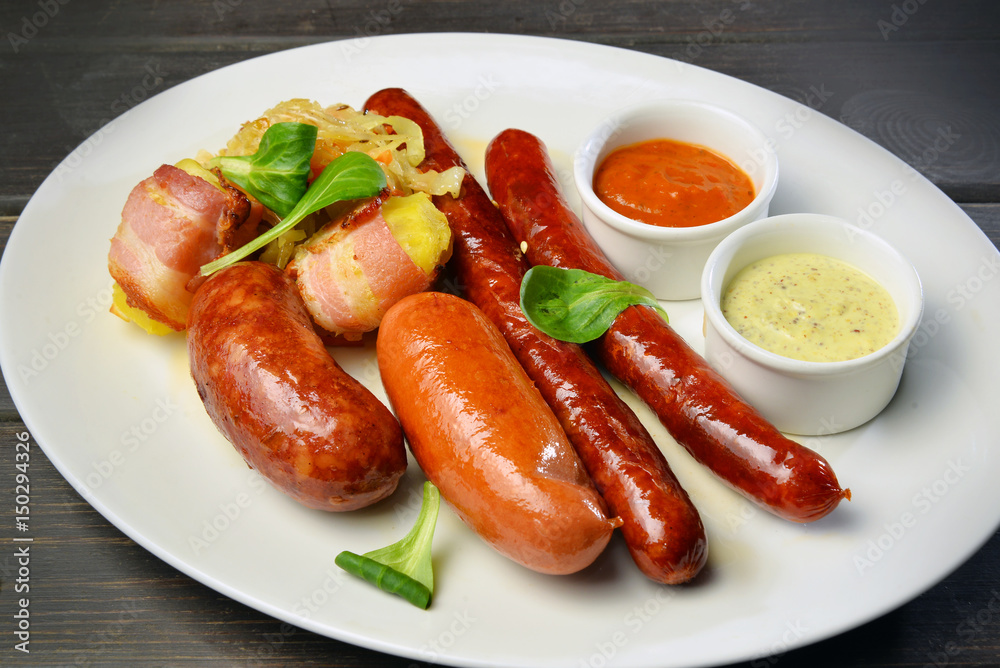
x,y
672,184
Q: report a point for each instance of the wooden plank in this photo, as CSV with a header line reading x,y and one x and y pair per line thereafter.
x,y
905,20
906,98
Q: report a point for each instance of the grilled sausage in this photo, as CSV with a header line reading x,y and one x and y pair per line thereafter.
x,y
484,435
274,391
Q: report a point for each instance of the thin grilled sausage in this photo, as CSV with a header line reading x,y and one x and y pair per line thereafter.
x,y
696,405
661,527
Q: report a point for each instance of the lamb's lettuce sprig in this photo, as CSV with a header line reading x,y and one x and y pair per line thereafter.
x,y
403,568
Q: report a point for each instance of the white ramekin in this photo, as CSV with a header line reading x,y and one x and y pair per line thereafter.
x,y
810,398
669,260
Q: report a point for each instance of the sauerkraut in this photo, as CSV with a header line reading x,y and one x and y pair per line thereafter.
x,y
342,128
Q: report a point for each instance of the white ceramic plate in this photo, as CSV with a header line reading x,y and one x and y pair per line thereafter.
x,y
117,413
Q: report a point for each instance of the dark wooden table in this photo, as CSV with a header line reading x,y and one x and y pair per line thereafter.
x,y
900,72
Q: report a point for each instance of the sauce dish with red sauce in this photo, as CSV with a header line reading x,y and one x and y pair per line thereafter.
x,y
674,203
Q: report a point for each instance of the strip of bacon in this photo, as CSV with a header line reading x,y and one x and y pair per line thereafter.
x,y
171,225
353,269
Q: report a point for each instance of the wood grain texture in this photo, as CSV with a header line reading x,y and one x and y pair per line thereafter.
x,y
932,73
916,76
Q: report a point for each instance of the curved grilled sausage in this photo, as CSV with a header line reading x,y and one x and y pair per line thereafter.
x,y
661,527
484,435
697,406
274,391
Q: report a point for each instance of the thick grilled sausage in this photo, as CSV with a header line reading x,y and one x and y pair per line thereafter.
x,y
274,391
661,527
697,406
484,435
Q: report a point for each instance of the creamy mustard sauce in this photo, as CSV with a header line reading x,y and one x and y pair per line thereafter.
x,y
810,307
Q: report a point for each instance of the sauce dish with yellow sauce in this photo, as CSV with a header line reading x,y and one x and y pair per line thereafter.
x,y
667,258
810,317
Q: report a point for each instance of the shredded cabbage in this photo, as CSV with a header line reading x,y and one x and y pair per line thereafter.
x,y
279,251
341,129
